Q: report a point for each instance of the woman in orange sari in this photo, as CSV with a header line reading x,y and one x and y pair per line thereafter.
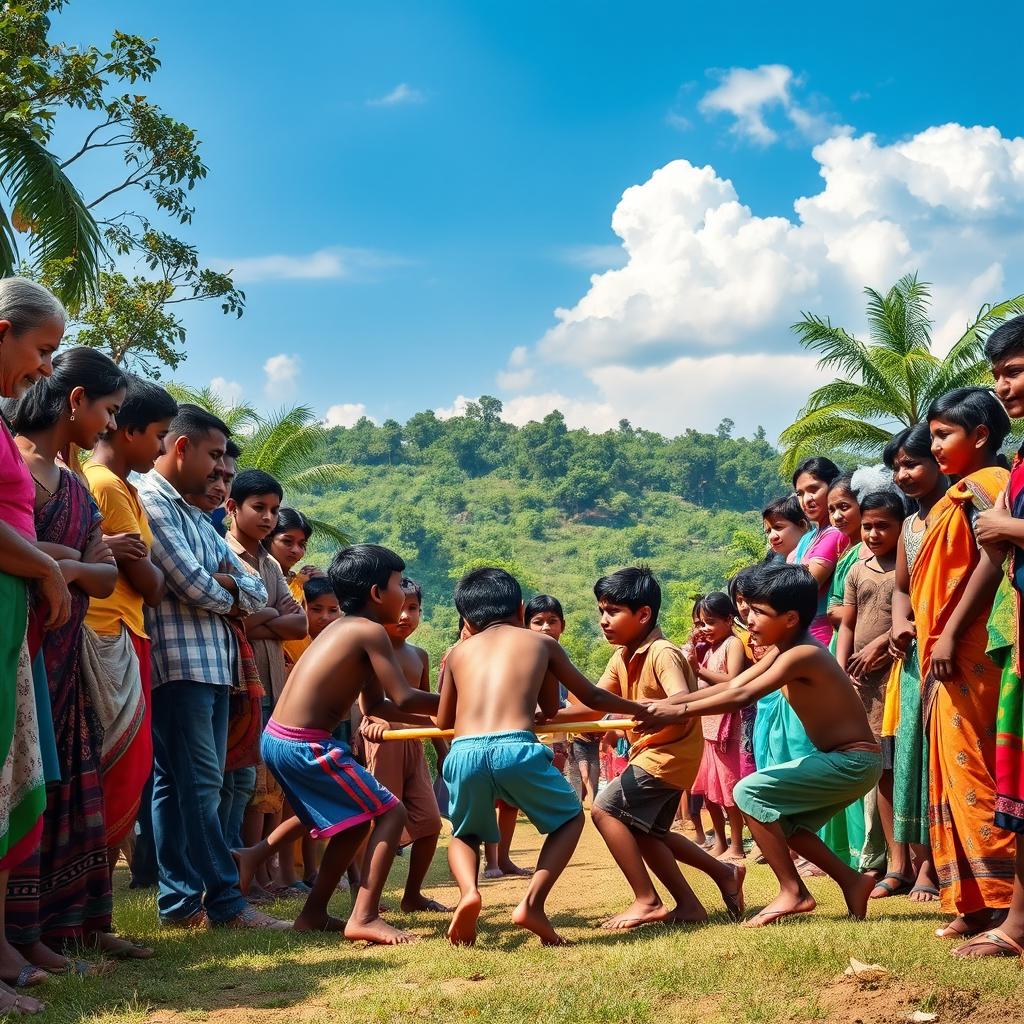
x,y
952,588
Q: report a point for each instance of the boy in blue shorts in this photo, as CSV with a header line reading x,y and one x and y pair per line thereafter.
x,y
495,680
333,796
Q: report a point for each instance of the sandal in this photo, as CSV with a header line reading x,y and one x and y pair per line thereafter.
x,y
1004,945
901,888
931,890
28,977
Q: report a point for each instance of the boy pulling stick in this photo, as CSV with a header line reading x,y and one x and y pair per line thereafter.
x,y
495,680
333,797
785,805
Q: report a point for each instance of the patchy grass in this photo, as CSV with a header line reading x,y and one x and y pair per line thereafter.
x,y
718,974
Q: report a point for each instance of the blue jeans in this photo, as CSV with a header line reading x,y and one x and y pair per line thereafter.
x,y
235,795
190,735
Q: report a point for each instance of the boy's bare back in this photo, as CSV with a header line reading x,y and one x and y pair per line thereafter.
x,y
495,680
345,660
823,697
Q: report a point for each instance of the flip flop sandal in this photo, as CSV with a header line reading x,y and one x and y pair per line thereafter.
x,y
995,937
930,889
28,977
903,886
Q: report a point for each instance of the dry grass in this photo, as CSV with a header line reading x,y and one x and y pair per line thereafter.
x,y
718,973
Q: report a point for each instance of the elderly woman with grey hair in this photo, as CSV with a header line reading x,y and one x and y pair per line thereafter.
x,y
31,328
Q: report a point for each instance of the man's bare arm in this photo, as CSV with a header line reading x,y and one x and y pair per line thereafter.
x,y
391,677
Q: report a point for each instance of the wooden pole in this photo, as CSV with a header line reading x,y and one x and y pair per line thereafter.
x,y
541,730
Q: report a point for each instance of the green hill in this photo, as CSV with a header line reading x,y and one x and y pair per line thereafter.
x,y
557,507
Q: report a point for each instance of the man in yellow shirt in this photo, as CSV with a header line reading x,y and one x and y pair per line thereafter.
x,y
123,645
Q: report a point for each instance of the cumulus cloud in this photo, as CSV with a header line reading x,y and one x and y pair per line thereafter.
x,y
457,408
229,390
403,94
345,414
518,374
593,257
322,265
750,94
707,276
282,373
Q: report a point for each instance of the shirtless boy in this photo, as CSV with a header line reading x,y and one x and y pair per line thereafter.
x,y
785,805
494,683
333,796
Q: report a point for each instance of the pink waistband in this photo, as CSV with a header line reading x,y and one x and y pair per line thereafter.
x,y
287,732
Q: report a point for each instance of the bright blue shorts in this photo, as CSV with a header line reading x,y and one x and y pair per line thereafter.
x,y
509,766
327,788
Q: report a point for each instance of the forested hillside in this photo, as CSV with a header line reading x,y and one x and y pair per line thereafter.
x,y
558,507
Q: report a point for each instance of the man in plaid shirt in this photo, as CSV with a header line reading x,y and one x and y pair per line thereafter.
x,y
195,661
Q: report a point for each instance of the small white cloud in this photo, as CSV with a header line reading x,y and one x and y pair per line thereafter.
x,y
282,373
678,121
748,94
229,390
594,257
457,408
345,414
322,265
518,374
402,95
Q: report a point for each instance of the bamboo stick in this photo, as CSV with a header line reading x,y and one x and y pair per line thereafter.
x,y
542,730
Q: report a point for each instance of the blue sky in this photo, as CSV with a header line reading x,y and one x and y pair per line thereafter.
x,y
408,192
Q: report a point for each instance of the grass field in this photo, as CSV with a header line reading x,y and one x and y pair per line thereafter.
x,y
717,974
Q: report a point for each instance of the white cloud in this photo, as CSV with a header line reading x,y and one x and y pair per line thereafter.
x,y
345,414
402,94
457,408
282,373
518,374
696,325
594,415
322,265
749,94
230,390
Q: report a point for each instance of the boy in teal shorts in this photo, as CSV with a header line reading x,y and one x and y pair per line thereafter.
x,y
786,804
495,680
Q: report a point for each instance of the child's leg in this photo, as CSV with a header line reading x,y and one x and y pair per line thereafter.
x,y
899,874
735,833
718,821
491,869
464,861
660,859
421,856
365,923
622,843
341,851
286,855
555,854
728,877
254,858
507,818
926,886
794,897
312,850
856,887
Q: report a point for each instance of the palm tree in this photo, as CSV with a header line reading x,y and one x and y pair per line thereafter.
x,y
238,417
888,381
291,445
64,238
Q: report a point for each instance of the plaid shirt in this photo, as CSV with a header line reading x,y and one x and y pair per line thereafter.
x,y
191,640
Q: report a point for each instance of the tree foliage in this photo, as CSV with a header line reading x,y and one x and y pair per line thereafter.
x,y
72,240
888,381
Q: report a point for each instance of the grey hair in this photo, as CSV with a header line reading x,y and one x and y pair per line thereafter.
x,y
27,304
869,479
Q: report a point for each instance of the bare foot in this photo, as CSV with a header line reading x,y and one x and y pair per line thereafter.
x,y
636,915
13,1002
326,923
493,873
780,907
122,949
537,922
377,931
508,868
246,868
410,904
462,930
857,896
732,895
718,849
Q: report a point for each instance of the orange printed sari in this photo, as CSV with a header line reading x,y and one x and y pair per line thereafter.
x,y
974,859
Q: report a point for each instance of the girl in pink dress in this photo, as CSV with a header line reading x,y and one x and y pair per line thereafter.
x,y
720,768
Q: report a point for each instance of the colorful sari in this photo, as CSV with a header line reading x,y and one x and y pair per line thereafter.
x,y
22,787
63,891
1010,719
974,860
